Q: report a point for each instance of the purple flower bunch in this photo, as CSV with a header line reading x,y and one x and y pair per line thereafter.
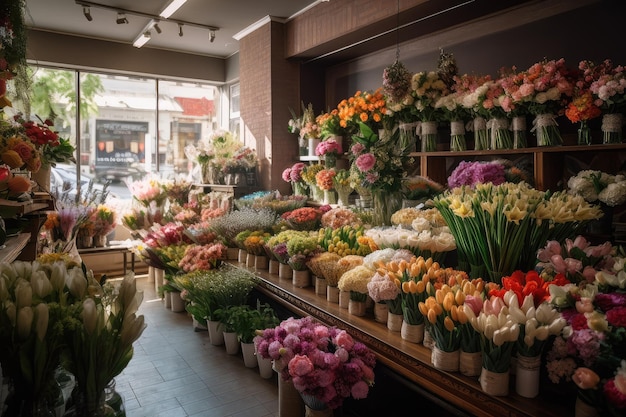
x,y
323,362
477,172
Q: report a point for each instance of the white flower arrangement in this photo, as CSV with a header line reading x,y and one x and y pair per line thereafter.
x,y
599,186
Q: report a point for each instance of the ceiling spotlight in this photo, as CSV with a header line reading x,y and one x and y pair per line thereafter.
x,y
212,36
142,39
121,19
157,28
87,13
180,29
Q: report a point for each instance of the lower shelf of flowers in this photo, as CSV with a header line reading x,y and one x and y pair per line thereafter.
x,y
411,360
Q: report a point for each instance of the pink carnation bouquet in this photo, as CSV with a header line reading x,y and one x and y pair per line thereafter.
x,y
322,362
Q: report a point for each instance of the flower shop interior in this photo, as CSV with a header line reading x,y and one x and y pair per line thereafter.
x,y
354,207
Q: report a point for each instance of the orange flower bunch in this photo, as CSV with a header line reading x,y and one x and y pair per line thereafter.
x,y
582,108
10,184
324,179
365,107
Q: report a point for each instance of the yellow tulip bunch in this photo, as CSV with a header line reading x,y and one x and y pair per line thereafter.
x,y
416,279
447,321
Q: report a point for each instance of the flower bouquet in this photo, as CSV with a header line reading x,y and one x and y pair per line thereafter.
x,y
342,183
329,150
608,93
305,218
512,216
362,107
148,191
104,220
599,186
228,226
277,244
300,250
203,257
293,175
322,362
346,240
309,176
338,217
577,260
355,282
499,334
383,287
426,89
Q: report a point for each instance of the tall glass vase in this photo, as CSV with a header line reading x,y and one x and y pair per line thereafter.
x,y
481,140
518,125
428,136
546,130
385,204
584,133
457,136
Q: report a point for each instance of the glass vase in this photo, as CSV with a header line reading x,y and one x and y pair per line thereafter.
x,y
457,136
343,196
330,160
385,204
481,140
407,136
330,197
428,136
501,137
546,130
518,125
584,133
317,194
612,128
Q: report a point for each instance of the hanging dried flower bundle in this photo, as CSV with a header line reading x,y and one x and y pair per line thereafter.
x,y
447,68
396,81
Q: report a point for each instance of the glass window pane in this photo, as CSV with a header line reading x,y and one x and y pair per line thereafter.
x,y
187,112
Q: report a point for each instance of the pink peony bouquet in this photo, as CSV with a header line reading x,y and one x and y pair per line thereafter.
x,y
323,362
472,173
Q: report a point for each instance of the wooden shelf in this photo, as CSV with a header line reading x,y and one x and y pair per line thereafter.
x,y
10,208
13,247
549,164
412,361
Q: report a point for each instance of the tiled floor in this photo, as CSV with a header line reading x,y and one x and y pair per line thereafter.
x,y
176,371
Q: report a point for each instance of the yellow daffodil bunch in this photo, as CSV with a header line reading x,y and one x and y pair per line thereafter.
x,y
498,229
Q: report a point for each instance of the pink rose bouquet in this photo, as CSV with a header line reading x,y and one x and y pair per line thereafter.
x,y
322,362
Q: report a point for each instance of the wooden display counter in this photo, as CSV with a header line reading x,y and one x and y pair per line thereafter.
x,y
410,360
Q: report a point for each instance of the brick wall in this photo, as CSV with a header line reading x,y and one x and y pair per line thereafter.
x,y
269,87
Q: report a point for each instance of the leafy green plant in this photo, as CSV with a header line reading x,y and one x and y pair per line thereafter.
x,y
246,320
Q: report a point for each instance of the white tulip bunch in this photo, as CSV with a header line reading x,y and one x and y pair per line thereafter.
x,y
536,323
499,333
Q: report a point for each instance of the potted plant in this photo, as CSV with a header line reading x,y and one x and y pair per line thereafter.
x,y
245,321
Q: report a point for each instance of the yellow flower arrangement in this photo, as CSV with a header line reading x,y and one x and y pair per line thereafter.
x,y
355,280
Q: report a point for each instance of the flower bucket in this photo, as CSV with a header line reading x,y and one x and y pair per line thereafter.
x,y
285,271
167,298
381,312
100,241
197,326
151,274
428,341
582,409
315,407
261,262
494,383
332,294
273,266
159,275
320,286
527,376
290,403
344,299
301,279
394,322
250,260
242,255
231,342
42,177
356,308
312,145
413,333
470,363
178,304
445,361
249,357
216,334
232,253
265,366
330,197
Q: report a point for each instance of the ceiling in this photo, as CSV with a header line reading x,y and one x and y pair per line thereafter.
x,y
230,16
